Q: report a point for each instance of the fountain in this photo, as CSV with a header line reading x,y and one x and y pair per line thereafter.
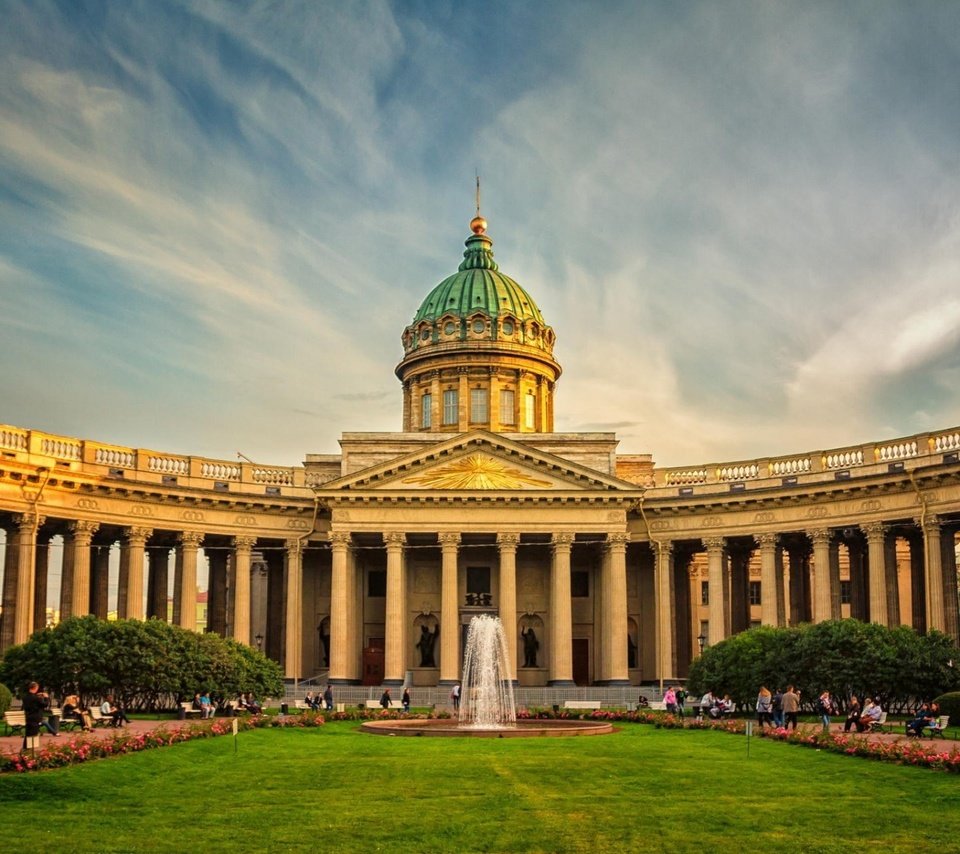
x,y
487,707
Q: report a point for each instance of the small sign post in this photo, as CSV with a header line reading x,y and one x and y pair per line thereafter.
x,y
749,733
236,729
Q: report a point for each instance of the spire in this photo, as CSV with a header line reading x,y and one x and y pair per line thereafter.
x,y
478,225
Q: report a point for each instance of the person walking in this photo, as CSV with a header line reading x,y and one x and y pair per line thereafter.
x,y
791,706
328,698
764,706
825,709
34,705
776,708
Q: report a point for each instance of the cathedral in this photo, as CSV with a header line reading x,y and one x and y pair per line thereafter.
x,y
365,567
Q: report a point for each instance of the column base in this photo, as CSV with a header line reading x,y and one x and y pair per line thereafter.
x,y
447,683
561,683
614,683
392,683
342,680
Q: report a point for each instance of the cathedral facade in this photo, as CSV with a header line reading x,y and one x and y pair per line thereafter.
x,y
365,567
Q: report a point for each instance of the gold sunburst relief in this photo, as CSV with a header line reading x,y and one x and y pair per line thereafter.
x,y
476,472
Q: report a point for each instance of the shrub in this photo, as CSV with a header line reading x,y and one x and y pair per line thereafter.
x,y
950,705
6,698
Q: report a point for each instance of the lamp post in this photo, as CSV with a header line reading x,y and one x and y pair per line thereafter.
x,y
701,640
259,640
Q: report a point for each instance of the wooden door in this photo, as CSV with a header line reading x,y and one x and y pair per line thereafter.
x,y
581,661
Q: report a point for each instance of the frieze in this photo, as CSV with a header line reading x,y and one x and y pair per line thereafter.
x,y
868,506
763,518
711,522
298,524
87,504
661,525
141,510
191,516
817,512
246,521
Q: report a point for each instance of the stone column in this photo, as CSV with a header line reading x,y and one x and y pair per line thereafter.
x,y
449,609
933,575
918,584
185,581
217,592
494,404
463,400
40,582
858,580
27,526
340,651
767,543
615,626
822,597
665,643
75,585
507,546
100,593
561,612
293,622
715,589
130,605
876,563
948,563
10,573
394,659
242,547
893,580
834,579
157,595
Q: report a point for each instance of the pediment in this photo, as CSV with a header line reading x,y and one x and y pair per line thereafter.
x,y
478,461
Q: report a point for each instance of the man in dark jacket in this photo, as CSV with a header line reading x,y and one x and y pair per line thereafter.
x,y
34,705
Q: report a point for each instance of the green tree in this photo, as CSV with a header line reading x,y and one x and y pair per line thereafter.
x,y
147,665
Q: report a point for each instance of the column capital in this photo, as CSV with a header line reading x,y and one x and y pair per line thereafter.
x,y
714,544
561,542
820,536
507,542
874,530
765,541
26,521
395,539
293,546
137,536
664,547
927,524
340,539
244,544
449,539
189,539
617,541
83,531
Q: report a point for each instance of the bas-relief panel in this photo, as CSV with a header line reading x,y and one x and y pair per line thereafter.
x,y
426,578
633,583
531,587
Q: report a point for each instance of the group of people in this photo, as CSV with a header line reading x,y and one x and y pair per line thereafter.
x,y
712,706
320,701
37,713
674,701
862,717
203,704
925,717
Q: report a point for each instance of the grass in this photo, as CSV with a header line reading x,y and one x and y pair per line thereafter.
x,y
335,789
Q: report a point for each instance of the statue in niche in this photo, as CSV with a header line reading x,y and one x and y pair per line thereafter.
x,y
530,647
426,644
631,652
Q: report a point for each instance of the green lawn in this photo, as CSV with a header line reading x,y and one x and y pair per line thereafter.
x,y
334,789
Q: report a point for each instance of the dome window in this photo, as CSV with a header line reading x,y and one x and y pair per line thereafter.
x,y
479,326
424,334
449,327
507,327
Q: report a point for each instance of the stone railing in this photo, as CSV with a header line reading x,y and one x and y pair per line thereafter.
x,y
838,462
115,462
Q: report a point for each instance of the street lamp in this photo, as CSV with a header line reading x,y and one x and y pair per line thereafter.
x,y
701,640
259,640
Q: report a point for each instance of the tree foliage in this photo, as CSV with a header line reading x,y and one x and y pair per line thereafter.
x,y
146,665
845,657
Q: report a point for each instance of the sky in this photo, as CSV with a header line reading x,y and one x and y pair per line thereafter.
x,y
742,220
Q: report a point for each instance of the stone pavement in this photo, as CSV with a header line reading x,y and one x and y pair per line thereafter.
x,y
13,743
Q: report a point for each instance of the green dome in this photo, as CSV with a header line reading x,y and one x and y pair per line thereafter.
x,y
478,286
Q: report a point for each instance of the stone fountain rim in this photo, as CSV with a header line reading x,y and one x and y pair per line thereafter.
x,y
526,728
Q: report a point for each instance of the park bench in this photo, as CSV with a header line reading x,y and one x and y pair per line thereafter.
x,y
15,721
188,708
581,704
97,717
657,706
938,726
879,725
63,723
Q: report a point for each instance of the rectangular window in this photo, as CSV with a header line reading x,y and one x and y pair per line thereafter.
x,y
377,583
704,592
845,593
530,410
450,407
426,419
478,579
478,405
754,593
507,415
579,585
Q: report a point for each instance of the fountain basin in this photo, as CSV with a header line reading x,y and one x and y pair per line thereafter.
x,y
449,728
